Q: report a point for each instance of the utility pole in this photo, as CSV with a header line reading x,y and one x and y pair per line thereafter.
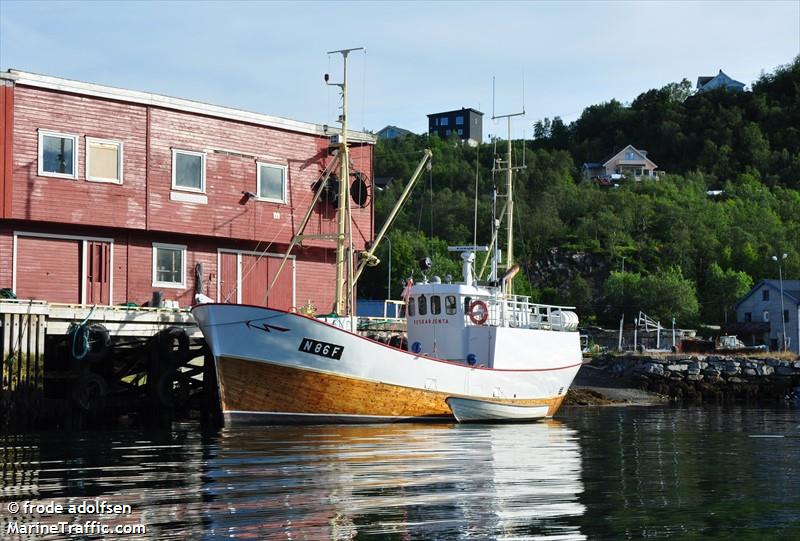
x,y
780,278
343,299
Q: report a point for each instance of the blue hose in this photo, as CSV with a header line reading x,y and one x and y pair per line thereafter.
x,y
83,328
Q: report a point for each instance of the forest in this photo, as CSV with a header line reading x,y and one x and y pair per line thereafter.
x,y
686,245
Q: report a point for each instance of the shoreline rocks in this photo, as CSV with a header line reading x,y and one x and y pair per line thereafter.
x,y
699,378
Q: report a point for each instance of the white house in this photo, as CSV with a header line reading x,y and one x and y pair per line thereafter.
x,y
763,305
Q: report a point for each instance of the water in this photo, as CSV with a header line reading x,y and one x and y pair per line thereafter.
x,y
594,473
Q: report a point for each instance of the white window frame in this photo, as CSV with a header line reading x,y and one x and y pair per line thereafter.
x,y
170,285
175,152
285,182
75,140
89,141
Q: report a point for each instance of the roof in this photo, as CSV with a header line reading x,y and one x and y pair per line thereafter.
x,y
641,153
179,104
791,290
400,131
703,80
728,80
457,111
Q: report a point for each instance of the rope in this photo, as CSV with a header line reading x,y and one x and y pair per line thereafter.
x,y
83,328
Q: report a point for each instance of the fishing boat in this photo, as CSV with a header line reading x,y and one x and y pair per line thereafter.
x,y
467,339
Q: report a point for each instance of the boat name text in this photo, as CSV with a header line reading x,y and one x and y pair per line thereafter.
x,y
323,349
438,321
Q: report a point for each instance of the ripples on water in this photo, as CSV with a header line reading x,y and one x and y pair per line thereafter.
x,y
604,473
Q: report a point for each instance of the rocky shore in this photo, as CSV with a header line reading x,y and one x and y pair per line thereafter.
x,y
719,379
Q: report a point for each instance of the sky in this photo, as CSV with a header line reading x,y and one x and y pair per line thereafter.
x,y
550,58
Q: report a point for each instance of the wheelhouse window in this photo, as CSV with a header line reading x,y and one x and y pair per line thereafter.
x,y
422,305
467,302
450,305
57,154
188,170
103,160
436,305
169,265
272,182
410,307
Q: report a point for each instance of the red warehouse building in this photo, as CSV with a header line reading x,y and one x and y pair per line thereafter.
x,y
107,195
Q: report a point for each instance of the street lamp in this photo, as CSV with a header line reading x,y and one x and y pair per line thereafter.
x,y
780,278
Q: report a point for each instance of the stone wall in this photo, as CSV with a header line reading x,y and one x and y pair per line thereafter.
x,y
710,378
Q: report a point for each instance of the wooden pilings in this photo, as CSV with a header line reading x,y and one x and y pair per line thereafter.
x,y
76,366
22,343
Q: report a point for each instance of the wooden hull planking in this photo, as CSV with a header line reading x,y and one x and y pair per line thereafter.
x,y
254,391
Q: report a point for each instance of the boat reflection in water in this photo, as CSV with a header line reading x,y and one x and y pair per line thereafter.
x,y
409,481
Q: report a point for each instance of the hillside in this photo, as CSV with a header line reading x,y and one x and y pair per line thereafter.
x,y
685,254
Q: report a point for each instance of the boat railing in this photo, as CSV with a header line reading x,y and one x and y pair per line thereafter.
x,y
519,312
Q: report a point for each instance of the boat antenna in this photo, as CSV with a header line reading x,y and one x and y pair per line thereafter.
x,y
477,176
342,247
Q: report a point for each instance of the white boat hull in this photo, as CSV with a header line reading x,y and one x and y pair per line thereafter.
x,y
278,367
467,410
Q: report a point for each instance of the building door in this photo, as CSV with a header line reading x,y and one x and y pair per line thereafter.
x,y
244,277
98,272
282,295
228,277
48,269
255,279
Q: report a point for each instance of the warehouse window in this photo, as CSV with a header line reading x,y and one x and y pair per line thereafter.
x,y
103,160
765,294
188,170
57,154
271,182
169,265
459,120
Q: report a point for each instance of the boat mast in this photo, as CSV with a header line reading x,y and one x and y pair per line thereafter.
x,y
509,169
343,299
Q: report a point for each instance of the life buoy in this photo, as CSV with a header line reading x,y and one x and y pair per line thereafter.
x,y
478,312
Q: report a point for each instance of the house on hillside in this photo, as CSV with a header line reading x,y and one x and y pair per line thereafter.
x,y
109,195
466,123
392,132
761,318
720,80
629,162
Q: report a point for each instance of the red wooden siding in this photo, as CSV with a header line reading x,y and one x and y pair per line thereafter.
x,y
141,211
143,200
78,201
6,147
52,269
